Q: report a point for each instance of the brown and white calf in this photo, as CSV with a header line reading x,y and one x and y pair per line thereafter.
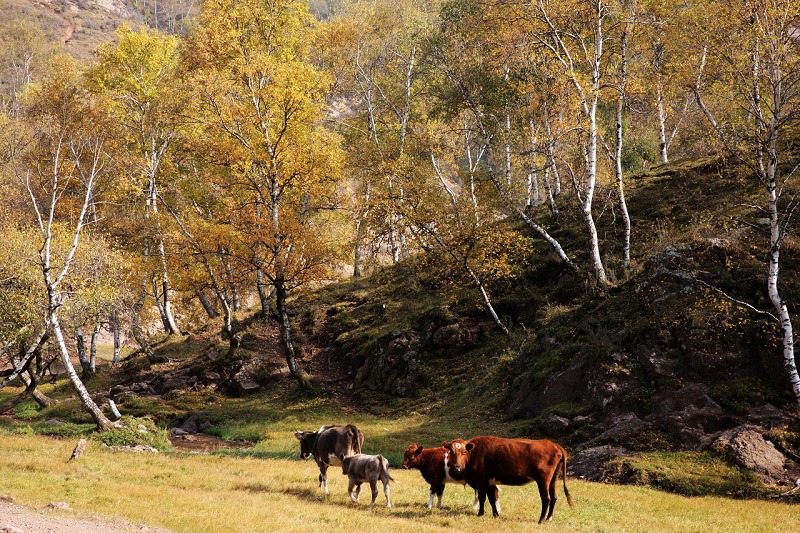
x,y
327,444
433,465
485,462
362,468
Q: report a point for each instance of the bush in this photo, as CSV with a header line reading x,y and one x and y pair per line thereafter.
x,y
132,431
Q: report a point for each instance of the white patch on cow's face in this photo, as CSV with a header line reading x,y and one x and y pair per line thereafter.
x,y
447,478
458,445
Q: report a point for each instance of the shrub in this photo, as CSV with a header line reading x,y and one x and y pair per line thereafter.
x,y
132,431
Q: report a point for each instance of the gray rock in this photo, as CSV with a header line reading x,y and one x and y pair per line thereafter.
x,y
54,422
746,446
61,506
553,425
622,427
190,425
590,463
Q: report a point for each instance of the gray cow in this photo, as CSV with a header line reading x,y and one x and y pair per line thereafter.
x,y
361,468
327,445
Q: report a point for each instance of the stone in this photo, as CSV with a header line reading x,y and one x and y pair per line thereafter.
x,y
190,424
747,447
553,425
590,463
79,450
54,422
621,428
61,506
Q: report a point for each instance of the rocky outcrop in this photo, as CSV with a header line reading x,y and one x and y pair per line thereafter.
x,y
747,447
393,369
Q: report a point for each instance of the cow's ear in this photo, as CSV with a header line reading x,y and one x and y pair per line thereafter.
x,y
447,445
418,450
469,446
299,435
341,457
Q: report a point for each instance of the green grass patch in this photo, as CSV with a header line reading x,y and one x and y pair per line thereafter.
x,y
690,474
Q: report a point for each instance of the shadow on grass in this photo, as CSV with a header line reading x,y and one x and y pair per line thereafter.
x,y
315,495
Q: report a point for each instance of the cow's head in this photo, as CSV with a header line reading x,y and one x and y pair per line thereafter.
x,y
345,460
411,456
307,440
459,454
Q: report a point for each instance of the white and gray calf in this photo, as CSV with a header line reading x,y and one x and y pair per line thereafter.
x,y
362,468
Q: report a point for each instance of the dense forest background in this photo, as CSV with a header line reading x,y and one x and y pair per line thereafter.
x,y
587,203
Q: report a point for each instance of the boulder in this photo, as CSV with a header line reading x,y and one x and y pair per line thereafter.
x,y
691,415
590,463
746,446
622,428
553,425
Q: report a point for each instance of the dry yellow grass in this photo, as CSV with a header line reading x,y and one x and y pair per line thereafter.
x,y
200,493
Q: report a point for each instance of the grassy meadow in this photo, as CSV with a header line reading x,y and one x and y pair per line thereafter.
x,y
239,493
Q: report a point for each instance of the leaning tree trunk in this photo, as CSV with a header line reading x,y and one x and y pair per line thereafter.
x,y
286,335
100,419
206,303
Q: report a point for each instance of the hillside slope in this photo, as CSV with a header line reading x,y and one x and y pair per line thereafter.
x,y
663,361
79,26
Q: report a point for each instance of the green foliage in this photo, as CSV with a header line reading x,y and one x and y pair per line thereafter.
x,y
132,431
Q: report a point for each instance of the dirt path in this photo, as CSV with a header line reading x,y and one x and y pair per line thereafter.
x,y
17,519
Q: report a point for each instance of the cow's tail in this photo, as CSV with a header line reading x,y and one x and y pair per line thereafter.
x,y
564,474
385,468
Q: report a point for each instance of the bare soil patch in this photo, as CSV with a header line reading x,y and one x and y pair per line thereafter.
x,y
15,518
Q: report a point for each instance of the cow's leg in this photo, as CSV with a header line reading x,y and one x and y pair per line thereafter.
x,y
386,491
545,499
351,484
496,490
373,484
439,492
432,493
553,497
323,477
491,491
475,500
481,499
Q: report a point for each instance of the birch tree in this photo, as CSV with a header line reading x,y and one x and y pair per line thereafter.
x,y
762,78
576,37
63,173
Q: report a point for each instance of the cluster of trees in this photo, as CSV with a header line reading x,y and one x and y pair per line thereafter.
x,y
266,149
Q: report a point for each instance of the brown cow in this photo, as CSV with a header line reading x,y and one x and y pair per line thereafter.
x,y
433,465
485,462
